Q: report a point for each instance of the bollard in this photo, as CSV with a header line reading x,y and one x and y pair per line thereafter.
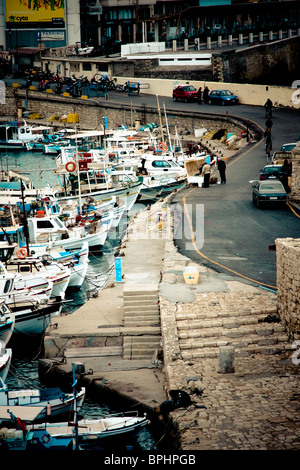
x,y
174,45
230,42
226,359
118,269
208,43
241,39
250,39
280,34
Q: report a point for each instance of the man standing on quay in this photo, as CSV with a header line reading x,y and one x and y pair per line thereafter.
x,y
222,169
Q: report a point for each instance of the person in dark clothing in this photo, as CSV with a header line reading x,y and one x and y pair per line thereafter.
x,y
222,170
199,98
205,95
269,124
286,172
268,108
206,175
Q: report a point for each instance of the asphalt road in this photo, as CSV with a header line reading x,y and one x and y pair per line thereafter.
x,y
219,225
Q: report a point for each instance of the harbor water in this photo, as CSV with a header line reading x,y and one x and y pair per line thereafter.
x,y
24,367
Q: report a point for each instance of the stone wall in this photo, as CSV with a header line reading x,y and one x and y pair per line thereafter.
x,y
295,187
91,112
288,284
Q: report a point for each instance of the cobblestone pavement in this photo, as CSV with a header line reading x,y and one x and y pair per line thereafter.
x,y
256,407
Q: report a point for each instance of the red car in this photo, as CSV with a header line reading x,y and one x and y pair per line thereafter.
x,y
185,93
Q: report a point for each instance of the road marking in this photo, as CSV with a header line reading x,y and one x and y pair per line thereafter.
x,y
193,237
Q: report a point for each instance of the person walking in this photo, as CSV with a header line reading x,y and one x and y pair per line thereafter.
x,y
199,97
222,170
206,175
205,95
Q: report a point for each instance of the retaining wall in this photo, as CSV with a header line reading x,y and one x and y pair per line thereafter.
x,y
288,284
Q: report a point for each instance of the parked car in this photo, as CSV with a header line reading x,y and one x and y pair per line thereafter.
x,y
271,172
185,93
268,192
222,97
279,157
288,147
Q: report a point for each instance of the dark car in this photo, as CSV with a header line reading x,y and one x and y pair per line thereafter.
x,y
268,192
185,93
271,172
222,97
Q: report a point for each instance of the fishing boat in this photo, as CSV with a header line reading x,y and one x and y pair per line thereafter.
x,y
96,179
5,361
7,323
33,312
53,401
62,436
14,135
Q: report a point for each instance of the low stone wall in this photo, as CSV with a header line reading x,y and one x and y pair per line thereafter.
x,y
91,113
288,283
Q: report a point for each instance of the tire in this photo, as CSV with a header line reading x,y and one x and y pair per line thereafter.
x,y
223,103
209,102
185,100
174,98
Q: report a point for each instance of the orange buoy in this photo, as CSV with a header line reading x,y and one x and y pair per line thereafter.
x,y
22,252
70,166
162,146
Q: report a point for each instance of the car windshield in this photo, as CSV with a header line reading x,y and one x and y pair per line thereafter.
x,y
189,88
225,93
275,169
275,185
287,148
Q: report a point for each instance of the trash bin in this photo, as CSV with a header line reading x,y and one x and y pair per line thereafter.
x,y
191,275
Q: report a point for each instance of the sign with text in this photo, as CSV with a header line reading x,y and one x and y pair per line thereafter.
x,y
35,13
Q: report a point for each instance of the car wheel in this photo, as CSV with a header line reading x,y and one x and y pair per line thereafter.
x,y
223,103
174,98
185,100
209,102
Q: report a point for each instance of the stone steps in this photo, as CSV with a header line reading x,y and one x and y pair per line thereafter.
x,y
141,310
245,330
94,351
142,347
142,321
213,352
259,329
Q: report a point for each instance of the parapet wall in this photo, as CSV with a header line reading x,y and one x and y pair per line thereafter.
x,y
288,284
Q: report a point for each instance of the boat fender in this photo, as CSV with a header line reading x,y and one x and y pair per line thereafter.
x,y
70,166
22,253
48,409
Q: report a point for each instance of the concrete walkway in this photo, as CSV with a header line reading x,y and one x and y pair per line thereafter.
x,y
256,407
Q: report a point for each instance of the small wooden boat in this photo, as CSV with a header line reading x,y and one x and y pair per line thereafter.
x,y
53,401
67,436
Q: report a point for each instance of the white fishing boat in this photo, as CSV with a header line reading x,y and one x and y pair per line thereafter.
x,y
35,274
84,434
14,135
7,323
5,361
33,312
94,172
53,402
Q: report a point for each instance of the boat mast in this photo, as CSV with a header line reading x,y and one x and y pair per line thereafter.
x,y
168,131
159,114
26,231
78,173
75,439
